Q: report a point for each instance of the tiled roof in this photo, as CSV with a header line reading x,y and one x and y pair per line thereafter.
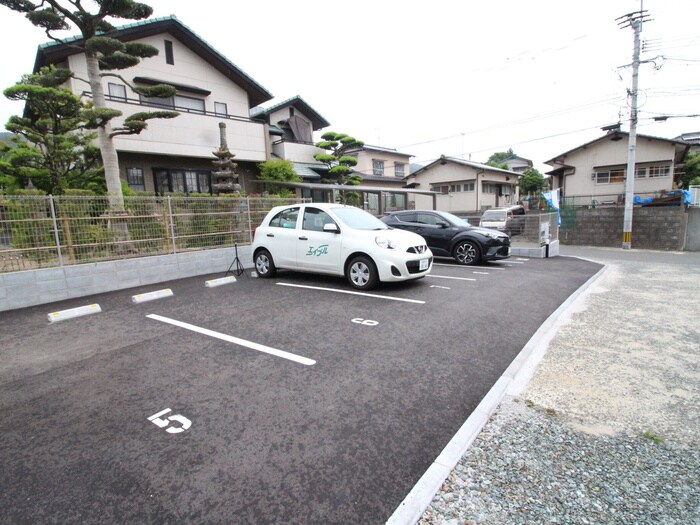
x,y
299,103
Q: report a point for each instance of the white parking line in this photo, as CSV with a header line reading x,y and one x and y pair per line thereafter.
x,y
467,267
506,263
481,273
235,340
521,259
376,296
455,278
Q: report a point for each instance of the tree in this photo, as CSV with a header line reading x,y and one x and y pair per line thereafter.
x,y
102,53
497,160
532,181
338,162
280,170
691,171
51,146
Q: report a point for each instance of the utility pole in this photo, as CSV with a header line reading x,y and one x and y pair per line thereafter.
x,y
633,20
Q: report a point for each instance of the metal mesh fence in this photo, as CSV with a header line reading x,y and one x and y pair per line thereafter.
x,y
605,200
532,229
47,231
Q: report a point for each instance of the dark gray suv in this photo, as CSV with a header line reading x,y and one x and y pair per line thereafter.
x,y
449,236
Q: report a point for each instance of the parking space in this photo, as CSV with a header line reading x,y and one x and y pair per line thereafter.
x,y
287,400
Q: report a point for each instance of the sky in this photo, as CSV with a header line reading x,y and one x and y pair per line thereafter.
x,y
446,77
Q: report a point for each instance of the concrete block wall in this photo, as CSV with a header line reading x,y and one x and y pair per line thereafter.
x,y
29,288
653,228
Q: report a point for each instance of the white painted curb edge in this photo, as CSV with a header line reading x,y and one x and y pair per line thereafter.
x,y
512,382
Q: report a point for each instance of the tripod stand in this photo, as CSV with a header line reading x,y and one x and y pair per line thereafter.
x,y
238,270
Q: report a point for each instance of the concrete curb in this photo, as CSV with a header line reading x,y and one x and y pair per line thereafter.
x,y
512,382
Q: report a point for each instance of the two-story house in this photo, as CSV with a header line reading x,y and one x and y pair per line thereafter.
x,y
464,186
597,170
176,154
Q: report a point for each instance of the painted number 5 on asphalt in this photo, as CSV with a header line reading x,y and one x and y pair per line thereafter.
x,y
182,423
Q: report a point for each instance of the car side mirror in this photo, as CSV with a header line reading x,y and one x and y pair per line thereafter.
x,y
442,224
331,228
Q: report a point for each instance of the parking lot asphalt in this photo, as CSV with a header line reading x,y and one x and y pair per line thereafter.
x,y
290,400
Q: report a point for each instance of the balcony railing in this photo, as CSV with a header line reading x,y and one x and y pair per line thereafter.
x,y
170,107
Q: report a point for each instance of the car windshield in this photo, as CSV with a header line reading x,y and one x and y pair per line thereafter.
x,y
494,215
457,221
359,219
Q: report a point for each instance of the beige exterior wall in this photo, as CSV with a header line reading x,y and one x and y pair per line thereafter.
x,y
365,158
190,134
614,153
296,152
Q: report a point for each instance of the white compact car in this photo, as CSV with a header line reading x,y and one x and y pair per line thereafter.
x,y
338,240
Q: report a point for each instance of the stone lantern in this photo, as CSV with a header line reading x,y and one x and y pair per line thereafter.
x,y
224,177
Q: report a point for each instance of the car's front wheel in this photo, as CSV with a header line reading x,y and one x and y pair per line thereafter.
x,y
362,273
467,252
264,264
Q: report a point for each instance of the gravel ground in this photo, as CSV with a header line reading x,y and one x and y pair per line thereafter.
x,y
608,429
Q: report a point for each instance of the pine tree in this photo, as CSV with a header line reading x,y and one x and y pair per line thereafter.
x,y
102,53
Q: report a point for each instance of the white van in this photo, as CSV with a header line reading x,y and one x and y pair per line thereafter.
x,y
509,219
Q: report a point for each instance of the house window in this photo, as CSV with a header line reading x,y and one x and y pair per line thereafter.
x,y
640,173
166,102
441,189
220,109
181,180
399,169
610,176
488,187
169,58
189,104
117,91
469,186
377,168
134,177
455,187
659,171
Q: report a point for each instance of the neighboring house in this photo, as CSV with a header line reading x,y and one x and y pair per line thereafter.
x,y
518,164
597,169
176,154
381,166
464,186
692,138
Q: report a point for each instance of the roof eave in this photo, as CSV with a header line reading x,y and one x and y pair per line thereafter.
x,y
53,53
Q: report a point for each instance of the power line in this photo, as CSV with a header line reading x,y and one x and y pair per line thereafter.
x,y
526,120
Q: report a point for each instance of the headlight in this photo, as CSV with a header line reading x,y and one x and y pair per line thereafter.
x,y
494,235
383,242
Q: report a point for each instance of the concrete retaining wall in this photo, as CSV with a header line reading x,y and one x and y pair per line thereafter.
x,y
29,288
692,239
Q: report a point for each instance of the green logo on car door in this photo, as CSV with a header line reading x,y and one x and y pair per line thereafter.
x,y
321,250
